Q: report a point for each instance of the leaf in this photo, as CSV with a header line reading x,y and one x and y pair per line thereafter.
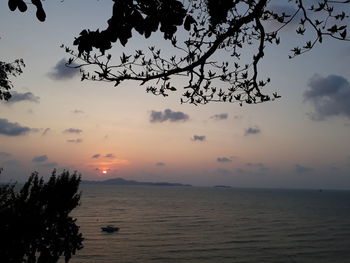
x,y
12,4
22,6
343,34
333,29
189,20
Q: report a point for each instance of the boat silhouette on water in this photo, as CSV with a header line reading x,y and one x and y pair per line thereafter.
x,y
109,229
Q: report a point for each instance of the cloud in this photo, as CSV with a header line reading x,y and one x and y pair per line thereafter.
x,y
160,164
200,138
253,169
222,116
4,154
258,166
168,115
12,128
109,155
46,131
14,163
330,96
61,72
75,140
223,160
95,156
72,130
302,169
49,164
26,96
42,161
77,111
39,159
252,131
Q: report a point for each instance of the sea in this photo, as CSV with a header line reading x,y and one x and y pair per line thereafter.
x,y
212,225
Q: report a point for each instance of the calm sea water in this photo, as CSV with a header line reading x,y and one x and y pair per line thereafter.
x,y
190,224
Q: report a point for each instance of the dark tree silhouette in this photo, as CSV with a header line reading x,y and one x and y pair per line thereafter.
x,y
35,225
7,70
227,29
22,6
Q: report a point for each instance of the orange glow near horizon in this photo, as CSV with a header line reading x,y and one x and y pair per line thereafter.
x,y
105,167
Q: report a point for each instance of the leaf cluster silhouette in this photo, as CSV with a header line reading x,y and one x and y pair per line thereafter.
x,y
7,70
219,33
35,225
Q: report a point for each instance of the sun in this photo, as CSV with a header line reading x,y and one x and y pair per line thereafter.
x,y
104,171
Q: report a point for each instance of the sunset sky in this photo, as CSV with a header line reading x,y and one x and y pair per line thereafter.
x,y
301,140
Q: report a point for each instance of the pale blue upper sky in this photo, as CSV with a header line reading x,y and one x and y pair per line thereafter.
x,y
300,140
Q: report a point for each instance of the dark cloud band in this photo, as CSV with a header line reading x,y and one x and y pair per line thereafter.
x,y
252,131
26,96
12,128
330,96
61,72
168,115
39,159
200,138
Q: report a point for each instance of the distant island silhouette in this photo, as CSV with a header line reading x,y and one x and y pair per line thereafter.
x,y
121,181
222,186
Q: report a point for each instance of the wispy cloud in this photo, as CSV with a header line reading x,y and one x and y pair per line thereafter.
x,y
200,138
42,161
109,155
259,166
302,169
252,131
46,131
95,156
168,115
13,128
75,140
160,164
26,96
77,111
330,96
223,159
39,159
61,72
73,130
253,169
221,116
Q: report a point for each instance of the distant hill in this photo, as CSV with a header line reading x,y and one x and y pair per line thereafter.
x,y
121,181
222,186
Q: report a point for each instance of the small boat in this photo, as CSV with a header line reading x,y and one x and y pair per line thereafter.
x,y
109,229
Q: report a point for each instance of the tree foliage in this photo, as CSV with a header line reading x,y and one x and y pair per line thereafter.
x,y
35,225
7,70
219,34
22,7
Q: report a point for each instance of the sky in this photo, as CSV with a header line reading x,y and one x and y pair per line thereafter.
x,y
55,121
